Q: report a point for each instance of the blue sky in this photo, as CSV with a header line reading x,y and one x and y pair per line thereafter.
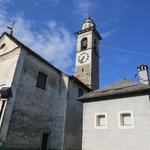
x,y
48,26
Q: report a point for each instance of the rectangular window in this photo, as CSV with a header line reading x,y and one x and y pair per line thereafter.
x,y
80,92
101,121
41,80
126,120
2,108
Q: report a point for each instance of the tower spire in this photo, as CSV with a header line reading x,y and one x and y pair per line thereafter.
x,y
88,23
90,17
89,14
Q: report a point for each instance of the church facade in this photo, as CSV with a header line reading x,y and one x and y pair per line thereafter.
x,y
38,102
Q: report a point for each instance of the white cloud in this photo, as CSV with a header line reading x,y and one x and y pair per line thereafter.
x,y
107,34
52,24
54,43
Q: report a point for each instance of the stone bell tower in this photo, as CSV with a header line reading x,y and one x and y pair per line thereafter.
x,y
87,54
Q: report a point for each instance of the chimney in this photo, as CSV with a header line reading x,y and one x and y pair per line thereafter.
x,y
143,74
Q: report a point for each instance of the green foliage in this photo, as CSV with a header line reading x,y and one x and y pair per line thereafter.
x,y
2,144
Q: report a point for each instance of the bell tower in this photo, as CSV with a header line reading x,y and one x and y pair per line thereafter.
x,y
87,54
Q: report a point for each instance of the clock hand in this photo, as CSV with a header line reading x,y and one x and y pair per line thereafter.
x,y
82,58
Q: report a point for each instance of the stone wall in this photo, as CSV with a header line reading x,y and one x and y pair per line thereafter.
x,y
54,110
33,111
37,110
73,119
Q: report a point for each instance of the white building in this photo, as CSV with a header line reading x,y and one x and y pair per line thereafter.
x,y
118,117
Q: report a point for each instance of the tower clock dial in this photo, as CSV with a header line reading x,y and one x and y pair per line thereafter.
x,y
83,57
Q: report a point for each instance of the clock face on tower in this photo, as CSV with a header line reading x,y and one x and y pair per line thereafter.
x,y
83,57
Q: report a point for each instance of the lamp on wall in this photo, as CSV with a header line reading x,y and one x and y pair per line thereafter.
x,y
5,92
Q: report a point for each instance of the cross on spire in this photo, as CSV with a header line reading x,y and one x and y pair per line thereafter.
x,y
11,27
89,14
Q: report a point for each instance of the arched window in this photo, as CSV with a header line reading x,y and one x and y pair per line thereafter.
x,y
84,42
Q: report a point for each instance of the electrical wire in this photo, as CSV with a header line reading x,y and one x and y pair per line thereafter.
x,y
126,51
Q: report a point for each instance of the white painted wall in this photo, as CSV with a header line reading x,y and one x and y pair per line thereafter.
x,y
8,60
10,68
113,137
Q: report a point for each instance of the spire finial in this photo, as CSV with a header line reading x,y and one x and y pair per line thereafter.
x,y
90,15
11,27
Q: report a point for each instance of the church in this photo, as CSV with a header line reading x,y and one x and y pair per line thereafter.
x,y
38,102
43,108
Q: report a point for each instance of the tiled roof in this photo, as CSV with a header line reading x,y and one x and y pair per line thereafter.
x,y
123,88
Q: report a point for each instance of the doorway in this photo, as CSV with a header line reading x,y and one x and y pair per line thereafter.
x,y
44,144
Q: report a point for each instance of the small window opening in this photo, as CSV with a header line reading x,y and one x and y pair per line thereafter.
x,y
80,92
3,45
2,105
101,121
41,80
2,109
126,120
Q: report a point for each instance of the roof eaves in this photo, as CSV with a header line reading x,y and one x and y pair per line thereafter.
x,y
79,82
120,94
30,51
89,29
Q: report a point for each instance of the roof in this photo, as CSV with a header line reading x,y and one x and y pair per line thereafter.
x,y
88,23
80,83
123,88
29,50
89,29
43,60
